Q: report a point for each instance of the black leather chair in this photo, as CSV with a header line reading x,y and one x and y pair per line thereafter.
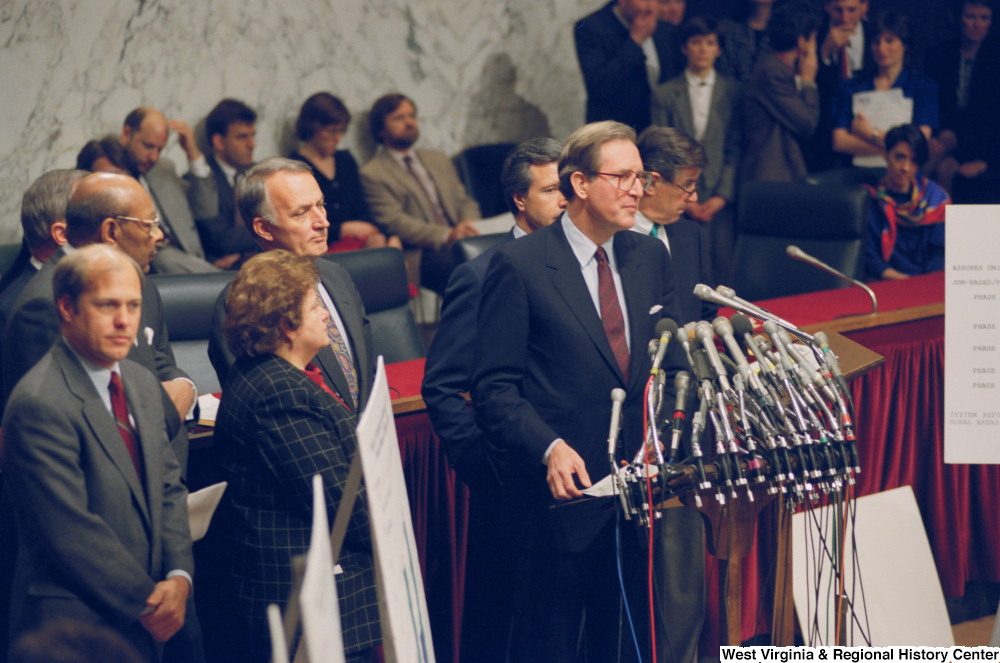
x,y
479,167
380,277
828,222
466,249
846,176
188,303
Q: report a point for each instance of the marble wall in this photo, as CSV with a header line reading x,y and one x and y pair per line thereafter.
x,y
71,70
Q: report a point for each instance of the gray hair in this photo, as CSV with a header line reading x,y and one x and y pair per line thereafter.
x,y
252,198
582,151
665,151
516,173
45,202
74,273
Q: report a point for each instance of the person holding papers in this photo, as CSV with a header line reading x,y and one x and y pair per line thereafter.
x,y
856,134
906,217
278,425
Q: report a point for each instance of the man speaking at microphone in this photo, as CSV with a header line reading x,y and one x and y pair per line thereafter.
x,y
565,317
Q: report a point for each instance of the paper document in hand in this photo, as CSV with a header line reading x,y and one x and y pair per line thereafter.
x,y
279,648
884,109
201,507
606,487
208,409
406,631
318,598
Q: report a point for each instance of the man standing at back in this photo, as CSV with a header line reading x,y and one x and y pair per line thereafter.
x,y
101,512
416,194
623,52
178,202
565,318
284,209
230,131
530,179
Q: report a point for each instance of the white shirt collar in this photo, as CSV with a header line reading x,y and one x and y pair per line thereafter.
x,y
695,81
35,262
227,170
100,376
518,231
400,156
583,247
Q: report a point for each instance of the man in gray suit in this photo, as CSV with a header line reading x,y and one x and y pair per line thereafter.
x,y
178,201
101,512
416,194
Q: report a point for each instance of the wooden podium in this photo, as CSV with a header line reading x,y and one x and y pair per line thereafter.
x,y
729,528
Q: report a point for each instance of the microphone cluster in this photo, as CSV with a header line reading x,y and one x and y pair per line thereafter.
x,y
770,412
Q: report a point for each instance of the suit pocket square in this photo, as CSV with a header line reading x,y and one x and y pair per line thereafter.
x,y
656,309
149,335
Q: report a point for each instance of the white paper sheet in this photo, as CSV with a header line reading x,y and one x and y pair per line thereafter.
x,y
495,224
201,507
279,647
208,406
318,599
884,109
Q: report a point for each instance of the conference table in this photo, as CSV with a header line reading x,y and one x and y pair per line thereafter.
x,y
900,429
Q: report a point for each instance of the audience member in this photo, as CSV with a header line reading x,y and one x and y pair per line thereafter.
x,y
967,72
322,122
675,161
279,425
231,134
623,52
845,51
106,155
743,38
782,104
707,107
101,510
556,333
284,210
671,11
112,209
530,179
178,201
415,193
906,217
69,641
853,133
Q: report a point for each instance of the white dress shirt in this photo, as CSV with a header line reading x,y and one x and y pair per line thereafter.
x,y
646,227
700,92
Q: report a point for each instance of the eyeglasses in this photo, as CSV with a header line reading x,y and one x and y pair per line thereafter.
x,y
627,179
150,226
687,192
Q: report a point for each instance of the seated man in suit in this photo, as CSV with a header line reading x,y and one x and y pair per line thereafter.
x,y
675,162
43,220
283,206
415,194
101,511
178,201
565,317
230,131
624,51
531,183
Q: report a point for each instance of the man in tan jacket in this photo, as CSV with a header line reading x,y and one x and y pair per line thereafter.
x,y
415,193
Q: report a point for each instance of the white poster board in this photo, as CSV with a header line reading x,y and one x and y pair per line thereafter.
x,y
321,627
903,602
972,334
406,630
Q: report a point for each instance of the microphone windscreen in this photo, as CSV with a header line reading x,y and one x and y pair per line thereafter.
x,y
741,325
666,325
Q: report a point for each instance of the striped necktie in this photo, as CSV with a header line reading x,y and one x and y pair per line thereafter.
x,y
339,345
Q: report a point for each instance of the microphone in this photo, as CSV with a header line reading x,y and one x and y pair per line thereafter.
x,y
702,291
617,398
761,312
831,359
706,335
666,329
681,385
811,373
725,330
798,254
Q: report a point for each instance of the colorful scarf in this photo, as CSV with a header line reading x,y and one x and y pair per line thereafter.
x,y
925,206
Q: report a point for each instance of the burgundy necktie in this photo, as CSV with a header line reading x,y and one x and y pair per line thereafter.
x,y
120,408
436,210
611,312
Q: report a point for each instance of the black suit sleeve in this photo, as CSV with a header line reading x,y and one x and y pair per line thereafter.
x,y
603,63
447,377
218,350
30,333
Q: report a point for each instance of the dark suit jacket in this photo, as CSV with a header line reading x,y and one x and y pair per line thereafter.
x,y
181,201
448,375
222,235
614,67
546,368
12,292
723,133
346,298
93,542
275,430
34,327
777,117
689,254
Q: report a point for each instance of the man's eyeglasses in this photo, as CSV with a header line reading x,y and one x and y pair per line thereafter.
x,y
150,226
687,192
627,179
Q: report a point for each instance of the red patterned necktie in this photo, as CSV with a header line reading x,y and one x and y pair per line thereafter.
x,y
611,312
119,406
339,346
